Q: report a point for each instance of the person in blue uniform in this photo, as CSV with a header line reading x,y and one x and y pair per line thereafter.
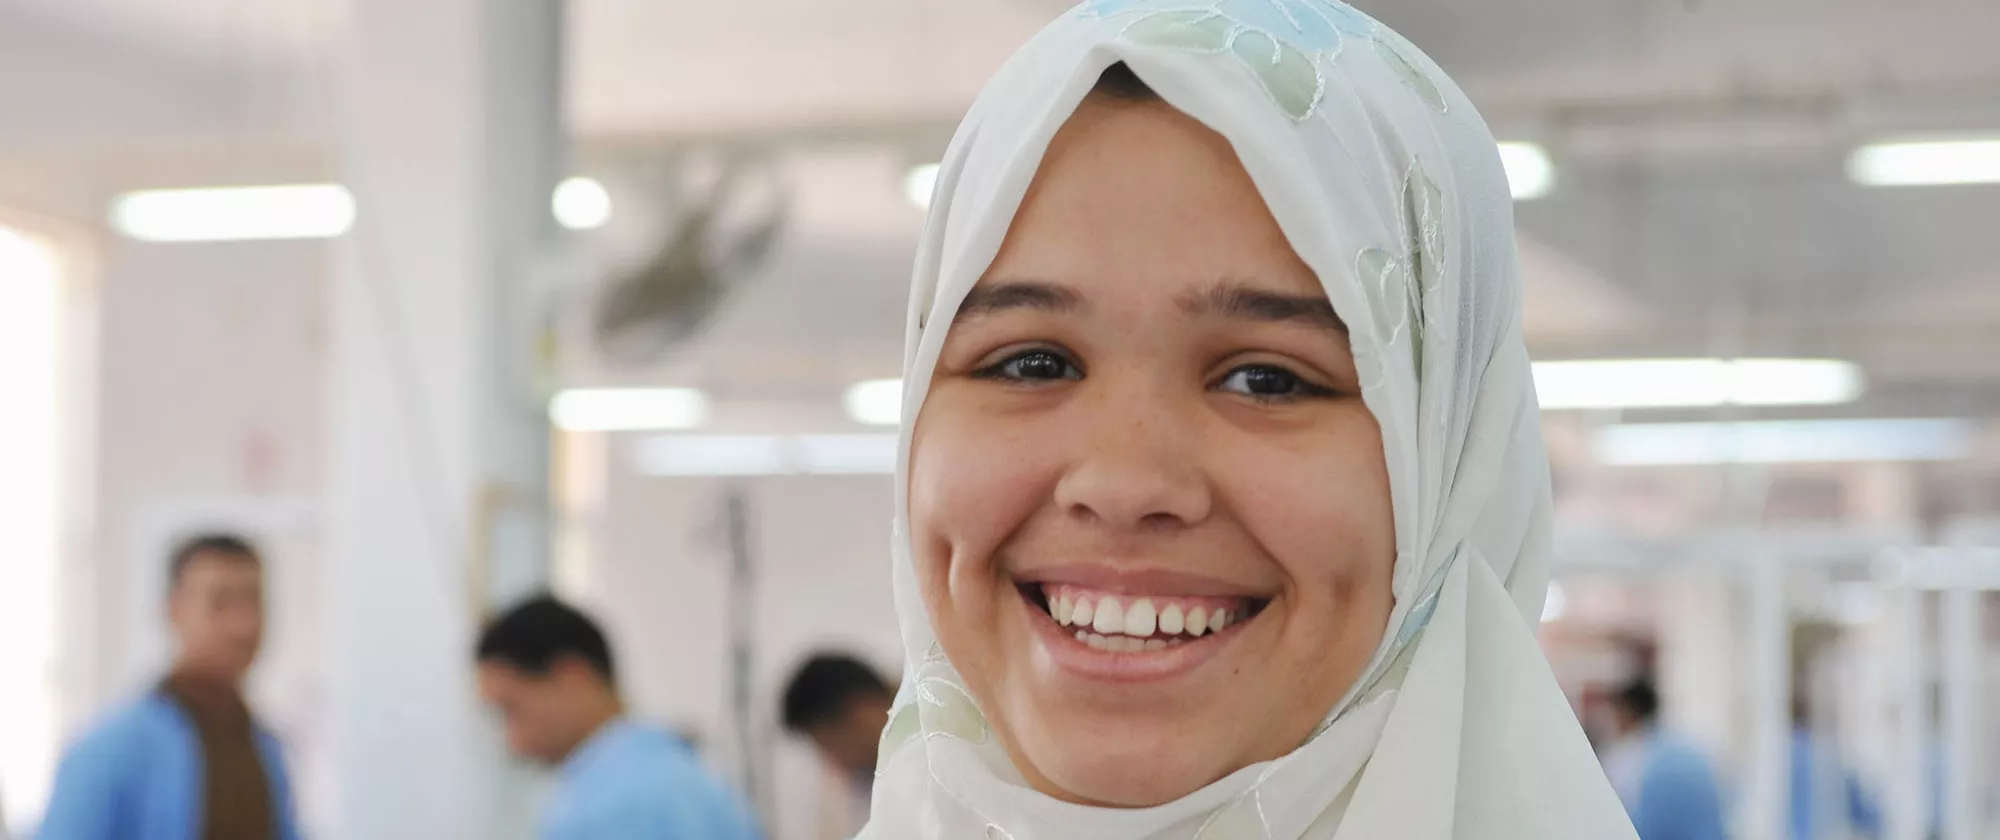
x,y
547,670
187,760
1666,783
841,704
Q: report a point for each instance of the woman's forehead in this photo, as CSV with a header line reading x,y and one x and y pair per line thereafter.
x,y
1140,200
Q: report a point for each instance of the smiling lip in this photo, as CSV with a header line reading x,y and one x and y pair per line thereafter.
x,y
1140,581
1078,659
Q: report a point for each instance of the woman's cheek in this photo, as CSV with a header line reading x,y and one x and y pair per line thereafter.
x,y
954,490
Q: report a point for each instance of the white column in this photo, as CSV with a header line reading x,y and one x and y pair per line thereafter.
x,y
1700,642
1907,812
1962,656
438,474
1768,786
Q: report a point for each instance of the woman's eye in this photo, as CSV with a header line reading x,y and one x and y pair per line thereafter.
x,y
1034,366
1269,382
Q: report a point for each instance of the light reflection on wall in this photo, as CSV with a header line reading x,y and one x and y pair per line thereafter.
x,y
29,315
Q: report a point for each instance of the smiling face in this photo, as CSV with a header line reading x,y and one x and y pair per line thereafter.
x,y
1149,509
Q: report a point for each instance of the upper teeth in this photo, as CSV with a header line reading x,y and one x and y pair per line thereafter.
x,y
1139,620
1106,615
1109,617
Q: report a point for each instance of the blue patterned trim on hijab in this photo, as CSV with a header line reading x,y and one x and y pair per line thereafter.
x,y
1285,44
1309,25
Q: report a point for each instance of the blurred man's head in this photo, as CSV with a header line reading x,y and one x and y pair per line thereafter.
x,y
1636,706
546,668
215,604
842,705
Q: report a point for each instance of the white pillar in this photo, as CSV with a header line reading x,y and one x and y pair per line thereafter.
x,y
438,473
1768,786
1700,639
1906,814
1962,658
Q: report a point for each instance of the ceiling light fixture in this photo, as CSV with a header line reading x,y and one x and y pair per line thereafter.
x,y
1530,173
765,455
581,204
1783,442
1695,383
920,183
225,214
627,409
876,402
1926,163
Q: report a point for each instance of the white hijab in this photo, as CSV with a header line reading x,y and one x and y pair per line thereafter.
x,y
1389,186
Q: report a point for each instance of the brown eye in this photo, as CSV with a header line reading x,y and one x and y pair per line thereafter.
x,y
1269,383
1033,366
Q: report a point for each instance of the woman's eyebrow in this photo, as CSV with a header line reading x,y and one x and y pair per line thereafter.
x,y
988,298
1236,299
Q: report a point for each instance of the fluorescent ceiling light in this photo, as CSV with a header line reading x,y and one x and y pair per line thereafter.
x,y
220,214
1695,383
1926,163
1530,173
627,409
876,402
767,455
919,183
581,204
1783,442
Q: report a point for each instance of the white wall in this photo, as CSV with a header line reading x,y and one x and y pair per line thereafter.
x,y
210,386
660,585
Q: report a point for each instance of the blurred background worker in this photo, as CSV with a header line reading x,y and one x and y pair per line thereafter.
x,y
1825,794
547,669
841,704
1666,784
187,760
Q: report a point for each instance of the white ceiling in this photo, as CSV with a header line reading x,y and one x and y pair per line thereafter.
x,y
1701,206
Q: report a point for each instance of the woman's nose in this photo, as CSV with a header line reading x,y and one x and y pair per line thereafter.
x,y
1138,468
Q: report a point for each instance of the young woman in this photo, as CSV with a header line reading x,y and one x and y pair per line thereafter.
x,y
1224,509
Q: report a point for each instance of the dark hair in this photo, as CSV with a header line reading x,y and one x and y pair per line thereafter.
x,y
535,633
1641,699
825,687
220,545
1119,82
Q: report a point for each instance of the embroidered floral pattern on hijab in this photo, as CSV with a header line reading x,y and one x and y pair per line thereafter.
x,y
1402,282
1285,43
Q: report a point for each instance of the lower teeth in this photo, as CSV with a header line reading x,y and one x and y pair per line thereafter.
x,y
1124,644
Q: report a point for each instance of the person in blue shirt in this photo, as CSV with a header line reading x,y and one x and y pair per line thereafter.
x,y
841,704
1666,783
186,760
1827,797
547,670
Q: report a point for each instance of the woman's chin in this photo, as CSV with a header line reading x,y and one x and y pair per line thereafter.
x,y
1124,766
1119,785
